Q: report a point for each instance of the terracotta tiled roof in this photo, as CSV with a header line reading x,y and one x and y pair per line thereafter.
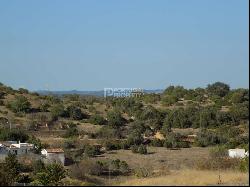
x,y
56,150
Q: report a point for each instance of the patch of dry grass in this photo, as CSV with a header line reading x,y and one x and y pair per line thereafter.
x,y
159,157
193,177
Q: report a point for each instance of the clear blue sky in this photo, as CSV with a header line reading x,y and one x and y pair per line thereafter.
x,y
92,44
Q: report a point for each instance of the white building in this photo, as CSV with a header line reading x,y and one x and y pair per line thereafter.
x,y
54,155
15,148
237,153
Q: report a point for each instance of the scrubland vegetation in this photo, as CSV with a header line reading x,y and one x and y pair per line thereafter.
x,y
156,139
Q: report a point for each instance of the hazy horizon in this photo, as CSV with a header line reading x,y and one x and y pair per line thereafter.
x,y
90,45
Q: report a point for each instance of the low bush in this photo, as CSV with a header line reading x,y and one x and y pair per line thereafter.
x,y
97,120
141,149
142,172
157,143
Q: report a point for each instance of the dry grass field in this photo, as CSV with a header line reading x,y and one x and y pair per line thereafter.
x,y
160,158
193,177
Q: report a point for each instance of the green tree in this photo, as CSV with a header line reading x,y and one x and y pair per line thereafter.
x,y
20,104
23,91
57,111
240,96
13,135
44,106
12,167
142,149
5,179
71,131
115,119
219,89
74,112
97,120
52,175
135,138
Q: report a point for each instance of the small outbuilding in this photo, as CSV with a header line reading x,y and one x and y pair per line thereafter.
x,y
237,153
54,155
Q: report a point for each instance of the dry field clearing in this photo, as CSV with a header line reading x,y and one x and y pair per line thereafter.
x,y
193,177
160,158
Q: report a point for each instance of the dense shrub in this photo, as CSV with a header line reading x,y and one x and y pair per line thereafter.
x,y
109,132
143,172
112,145
218,89
57,111
89,150
69,144
135,138
19,104
71,131
206,138
97,120
115,119
23,91
74,112
141,149
13,135
157,142
174,141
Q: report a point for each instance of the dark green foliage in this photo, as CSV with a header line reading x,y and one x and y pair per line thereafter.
x,y
178,91
240,96
74,112
51,175
23,91
20,104
134,148
113,145
239,112
151,98
172,94
97,120
218,89
53,99
109,132
208,117
44,106
37,143
119,166
152,117
157,143
91,151
244,165
206,138
13,135
71,131
115,119
137,126
9,170
2,94
175,141
69,144
223,118
169,100
129,105
134,138
141,149
38,166
57,111
24,178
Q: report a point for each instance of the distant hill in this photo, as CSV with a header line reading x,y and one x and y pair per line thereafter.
x,y
99,93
